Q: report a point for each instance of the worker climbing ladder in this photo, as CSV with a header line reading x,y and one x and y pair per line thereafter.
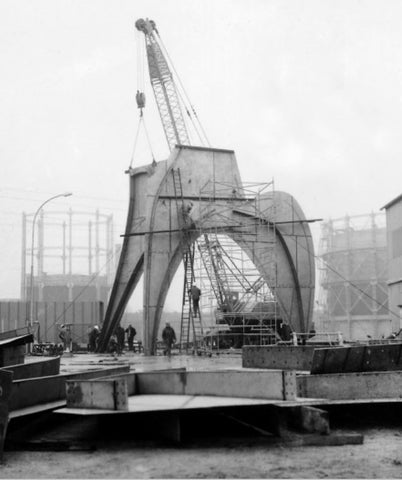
x,y
191,330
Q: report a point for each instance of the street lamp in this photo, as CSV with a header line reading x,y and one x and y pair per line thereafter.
x,y
31,293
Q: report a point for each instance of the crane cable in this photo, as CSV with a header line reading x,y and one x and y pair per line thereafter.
x,y
141,84
187,98
141,122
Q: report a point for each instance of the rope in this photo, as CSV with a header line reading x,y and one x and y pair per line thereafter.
x,y
140,83
136,140
149,142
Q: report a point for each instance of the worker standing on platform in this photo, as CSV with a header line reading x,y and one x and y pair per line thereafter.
x,y
93,338
65,337
140,99
169,338
195,293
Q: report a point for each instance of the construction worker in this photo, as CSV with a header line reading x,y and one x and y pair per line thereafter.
x,y
131,333
140,98
195,293
93,338
113,346
65,336
169,338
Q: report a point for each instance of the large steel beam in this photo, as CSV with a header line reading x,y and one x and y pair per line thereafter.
x,y
351,386
285,357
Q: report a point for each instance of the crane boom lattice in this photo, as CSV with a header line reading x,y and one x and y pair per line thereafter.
x,y
164,87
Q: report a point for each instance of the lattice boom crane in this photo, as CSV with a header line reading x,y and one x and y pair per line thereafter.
x,y
164,87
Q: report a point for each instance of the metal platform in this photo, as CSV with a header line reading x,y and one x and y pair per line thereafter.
x,y
164,403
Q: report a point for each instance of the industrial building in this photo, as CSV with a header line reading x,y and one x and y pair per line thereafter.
x,y
393,211
66,274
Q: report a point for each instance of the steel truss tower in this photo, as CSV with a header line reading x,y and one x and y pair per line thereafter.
x,y
353,277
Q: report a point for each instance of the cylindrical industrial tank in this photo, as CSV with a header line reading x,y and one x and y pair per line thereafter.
x,y
353,277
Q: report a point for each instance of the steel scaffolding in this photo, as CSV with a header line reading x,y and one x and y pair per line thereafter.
x,y
237,304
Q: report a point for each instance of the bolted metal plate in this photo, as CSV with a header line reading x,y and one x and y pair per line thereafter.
x,y
361,358
289,385
106,394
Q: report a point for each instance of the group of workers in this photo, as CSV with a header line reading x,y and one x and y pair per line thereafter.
x,y
118,339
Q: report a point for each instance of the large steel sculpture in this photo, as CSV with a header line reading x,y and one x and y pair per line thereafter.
x,y
195,191
159,223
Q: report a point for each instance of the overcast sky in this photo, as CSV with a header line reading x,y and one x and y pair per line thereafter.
x,y
308,93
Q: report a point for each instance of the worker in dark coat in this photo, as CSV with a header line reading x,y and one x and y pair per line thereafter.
x,y
195,293
169,338
113,346
93,338
140,98
131,333
63,335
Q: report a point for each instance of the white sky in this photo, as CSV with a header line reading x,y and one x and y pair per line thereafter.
x,y
306,92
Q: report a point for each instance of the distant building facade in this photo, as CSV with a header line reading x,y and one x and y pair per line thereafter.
x,y
71,259
353,277
393,211
68,266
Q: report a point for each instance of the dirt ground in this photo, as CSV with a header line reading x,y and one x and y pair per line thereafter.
x,y
380,456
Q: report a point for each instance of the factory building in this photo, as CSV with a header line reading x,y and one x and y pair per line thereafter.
x,y
393,211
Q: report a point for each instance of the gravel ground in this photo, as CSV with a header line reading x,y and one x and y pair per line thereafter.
x,y
380,456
